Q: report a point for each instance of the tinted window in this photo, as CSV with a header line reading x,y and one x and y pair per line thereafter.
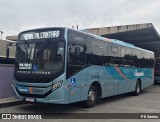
x,y
96,51
76,54
76,37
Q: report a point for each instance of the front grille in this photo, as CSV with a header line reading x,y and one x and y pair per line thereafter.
x,y
34,95
35,78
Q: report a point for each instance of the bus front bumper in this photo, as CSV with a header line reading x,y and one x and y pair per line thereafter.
x,y
55,98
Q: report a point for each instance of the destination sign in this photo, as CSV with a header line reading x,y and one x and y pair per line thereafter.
x,y
40,35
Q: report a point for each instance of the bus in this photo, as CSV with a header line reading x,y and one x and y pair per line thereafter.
x,y
62,65
157,72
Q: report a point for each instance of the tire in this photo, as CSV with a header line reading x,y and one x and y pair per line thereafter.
x,y
137,89
92,97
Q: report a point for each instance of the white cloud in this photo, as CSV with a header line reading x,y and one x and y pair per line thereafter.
x,y
19,15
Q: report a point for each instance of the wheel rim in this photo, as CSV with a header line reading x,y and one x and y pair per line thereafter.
x,y
91,96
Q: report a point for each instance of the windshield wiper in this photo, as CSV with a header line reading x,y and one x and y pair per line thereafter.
x,y
26,47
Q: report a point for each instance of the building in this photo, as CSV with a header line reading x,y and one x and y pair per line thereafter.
x,y
6,69
3,44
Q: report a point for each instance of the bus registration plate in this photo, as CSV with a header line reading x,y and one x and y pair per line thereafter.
x,y
28,99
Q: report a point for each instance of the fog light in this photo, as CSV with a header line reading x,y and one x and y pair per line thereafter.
x,y
57,85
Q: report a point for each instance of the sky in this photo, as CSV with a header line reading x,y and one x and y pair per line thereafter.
x,y
20,15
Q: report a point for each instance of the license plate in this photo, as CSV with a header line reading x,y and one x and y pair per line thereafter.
x,y
28,99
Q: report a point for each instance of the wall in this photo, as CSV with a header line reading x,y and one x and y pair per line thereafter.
x,y
6,80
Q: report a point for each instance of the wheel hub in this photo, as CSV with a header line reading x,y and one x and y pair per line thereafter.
x,y
91,96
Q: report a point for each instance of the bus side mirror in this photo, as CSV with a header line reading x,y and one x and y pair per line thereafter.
x,y
7,52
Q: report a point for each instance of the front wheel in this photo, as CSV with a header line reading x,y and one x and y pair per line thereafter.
x,y
92,97
137,89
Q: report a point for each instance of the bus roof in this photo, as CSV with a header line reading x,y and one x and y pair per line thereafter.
x,y
115,41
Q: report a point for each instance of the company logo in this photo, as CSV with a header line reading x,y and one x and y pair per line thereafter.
x,y
23,90
21,116
6,116
138,73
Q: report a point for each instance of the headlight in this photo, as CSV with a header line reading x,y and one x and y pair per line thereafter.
x,y
57,85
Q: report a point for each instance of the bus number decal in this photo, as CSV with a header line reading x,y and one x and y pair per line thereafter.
x,y
28,36
94,76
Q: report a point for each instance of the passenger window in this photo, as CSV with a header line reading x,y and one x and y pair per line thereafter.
x,y
76,54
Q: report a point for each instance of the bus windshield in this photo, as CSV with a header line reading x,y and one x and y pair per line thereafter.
x,y
42,57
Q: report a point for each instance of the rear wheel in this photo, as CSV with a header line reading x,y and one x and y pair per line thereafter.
x,y
137,89
92,97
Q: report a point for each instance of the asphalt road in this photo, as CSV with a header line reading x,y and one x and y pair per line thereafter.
x,y
147,102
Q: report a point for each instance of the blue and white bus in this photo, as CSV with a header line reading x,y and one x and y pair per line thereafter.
x,y
62,66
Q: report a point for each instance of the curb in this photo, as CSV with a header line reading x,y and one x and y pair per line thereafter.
x,y
9,104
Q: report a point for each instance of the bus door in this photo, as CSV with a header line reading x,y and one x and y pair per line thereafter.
x,y
75,73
